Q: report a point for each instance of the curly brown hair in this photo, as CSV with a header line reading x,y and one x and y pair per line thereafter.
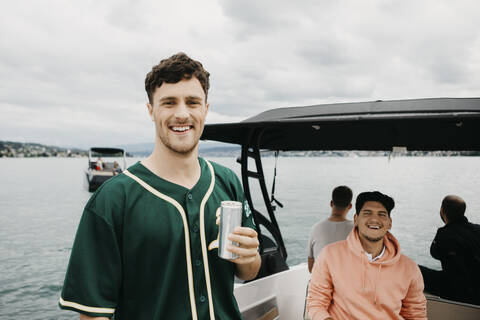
x,y
174,69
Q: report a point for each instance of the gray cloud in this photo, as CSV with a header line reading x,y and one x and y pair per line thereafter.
x,y
72,73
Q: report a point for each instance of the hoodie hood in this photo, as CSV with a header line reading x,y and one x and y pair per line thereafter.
x,y
392,248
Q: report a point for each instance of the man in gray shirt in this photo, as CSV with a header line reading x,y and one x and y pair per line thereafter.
x,y
333,229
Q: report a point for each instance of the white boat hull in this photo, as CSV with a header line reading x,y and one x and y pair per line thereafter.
x,y
288,290
288,287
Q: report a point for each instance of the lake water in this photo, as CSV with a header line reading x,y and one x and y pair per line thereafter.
x,y
41,201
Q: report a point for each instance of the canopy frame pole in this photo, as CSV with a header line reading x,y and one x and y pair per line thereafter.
x,y
251,150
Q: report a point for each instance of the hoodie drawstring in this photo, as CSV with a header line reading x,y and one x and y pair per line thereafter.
x,y
377,279
364,269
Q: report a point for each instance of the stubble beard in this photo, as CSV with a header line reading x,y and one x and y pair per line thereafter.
x,y
371,239
182,149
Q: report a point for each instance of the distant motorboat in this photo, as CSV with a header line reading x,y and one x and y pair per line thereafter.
x,y
99,171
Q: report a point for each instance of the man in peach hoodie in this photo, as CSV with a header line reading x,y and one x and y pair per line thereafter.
x,y
366,276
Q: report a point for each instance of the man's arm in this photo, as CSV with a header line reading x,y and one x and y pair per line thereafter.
x,y
320,289
311,261
310,253
248,261
436,250
443,245
414,306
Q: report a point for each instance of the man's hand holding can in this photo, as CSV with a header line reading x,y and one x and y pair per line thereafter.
x,y
236,243
247,249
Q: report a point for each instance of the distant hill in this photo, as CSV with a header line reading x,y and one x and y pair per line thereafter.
x,y
138,149
218,149
10,149
206,148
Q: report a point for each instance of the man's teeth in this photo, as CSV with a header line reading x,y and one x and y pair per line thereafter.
x,y
181,129
374,227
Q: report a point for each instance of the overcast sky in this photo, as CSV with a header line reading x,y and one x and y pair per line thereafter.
x,y
72,72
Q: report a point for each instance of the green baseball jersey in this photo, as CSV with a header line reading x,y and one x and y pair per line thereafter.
x,y
142,249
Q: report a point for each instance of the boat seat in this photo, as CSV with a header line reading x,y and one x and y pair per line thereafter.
x,y
439,309
272,260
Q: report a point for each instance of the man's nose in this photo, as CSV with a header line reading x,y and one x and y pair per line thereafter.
x,y
181,111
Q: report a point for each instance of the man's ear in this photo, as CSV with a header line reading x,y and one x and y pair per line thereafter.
x,y
443,216
331,203
355,216
349,207
150,110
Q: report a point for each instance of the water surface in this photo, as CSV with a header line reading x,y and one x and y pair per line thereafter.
x,y
41,201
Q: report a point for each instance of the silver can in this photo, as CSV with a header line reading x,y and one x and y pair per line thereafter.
x,y
230,218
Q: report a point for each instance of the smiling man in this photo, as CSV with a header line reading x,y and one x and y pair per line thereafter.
x,y
142,247
366,276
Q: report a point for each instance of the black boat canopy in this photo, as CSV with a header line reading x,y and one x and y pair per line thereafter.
x,y
107,151
438,124
422,124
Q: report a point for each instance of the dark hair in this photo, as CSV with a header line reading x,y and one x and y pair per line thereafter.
x,y
174,69
342,196
377,196
453,207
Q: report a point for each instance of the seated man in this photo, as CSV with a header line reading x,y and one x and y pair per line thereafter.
x,y
333,229
366,276
457,246
116,168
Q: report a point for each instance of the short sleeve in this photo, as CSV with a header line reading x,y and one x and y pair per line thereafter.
x,y
247,218
93,277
